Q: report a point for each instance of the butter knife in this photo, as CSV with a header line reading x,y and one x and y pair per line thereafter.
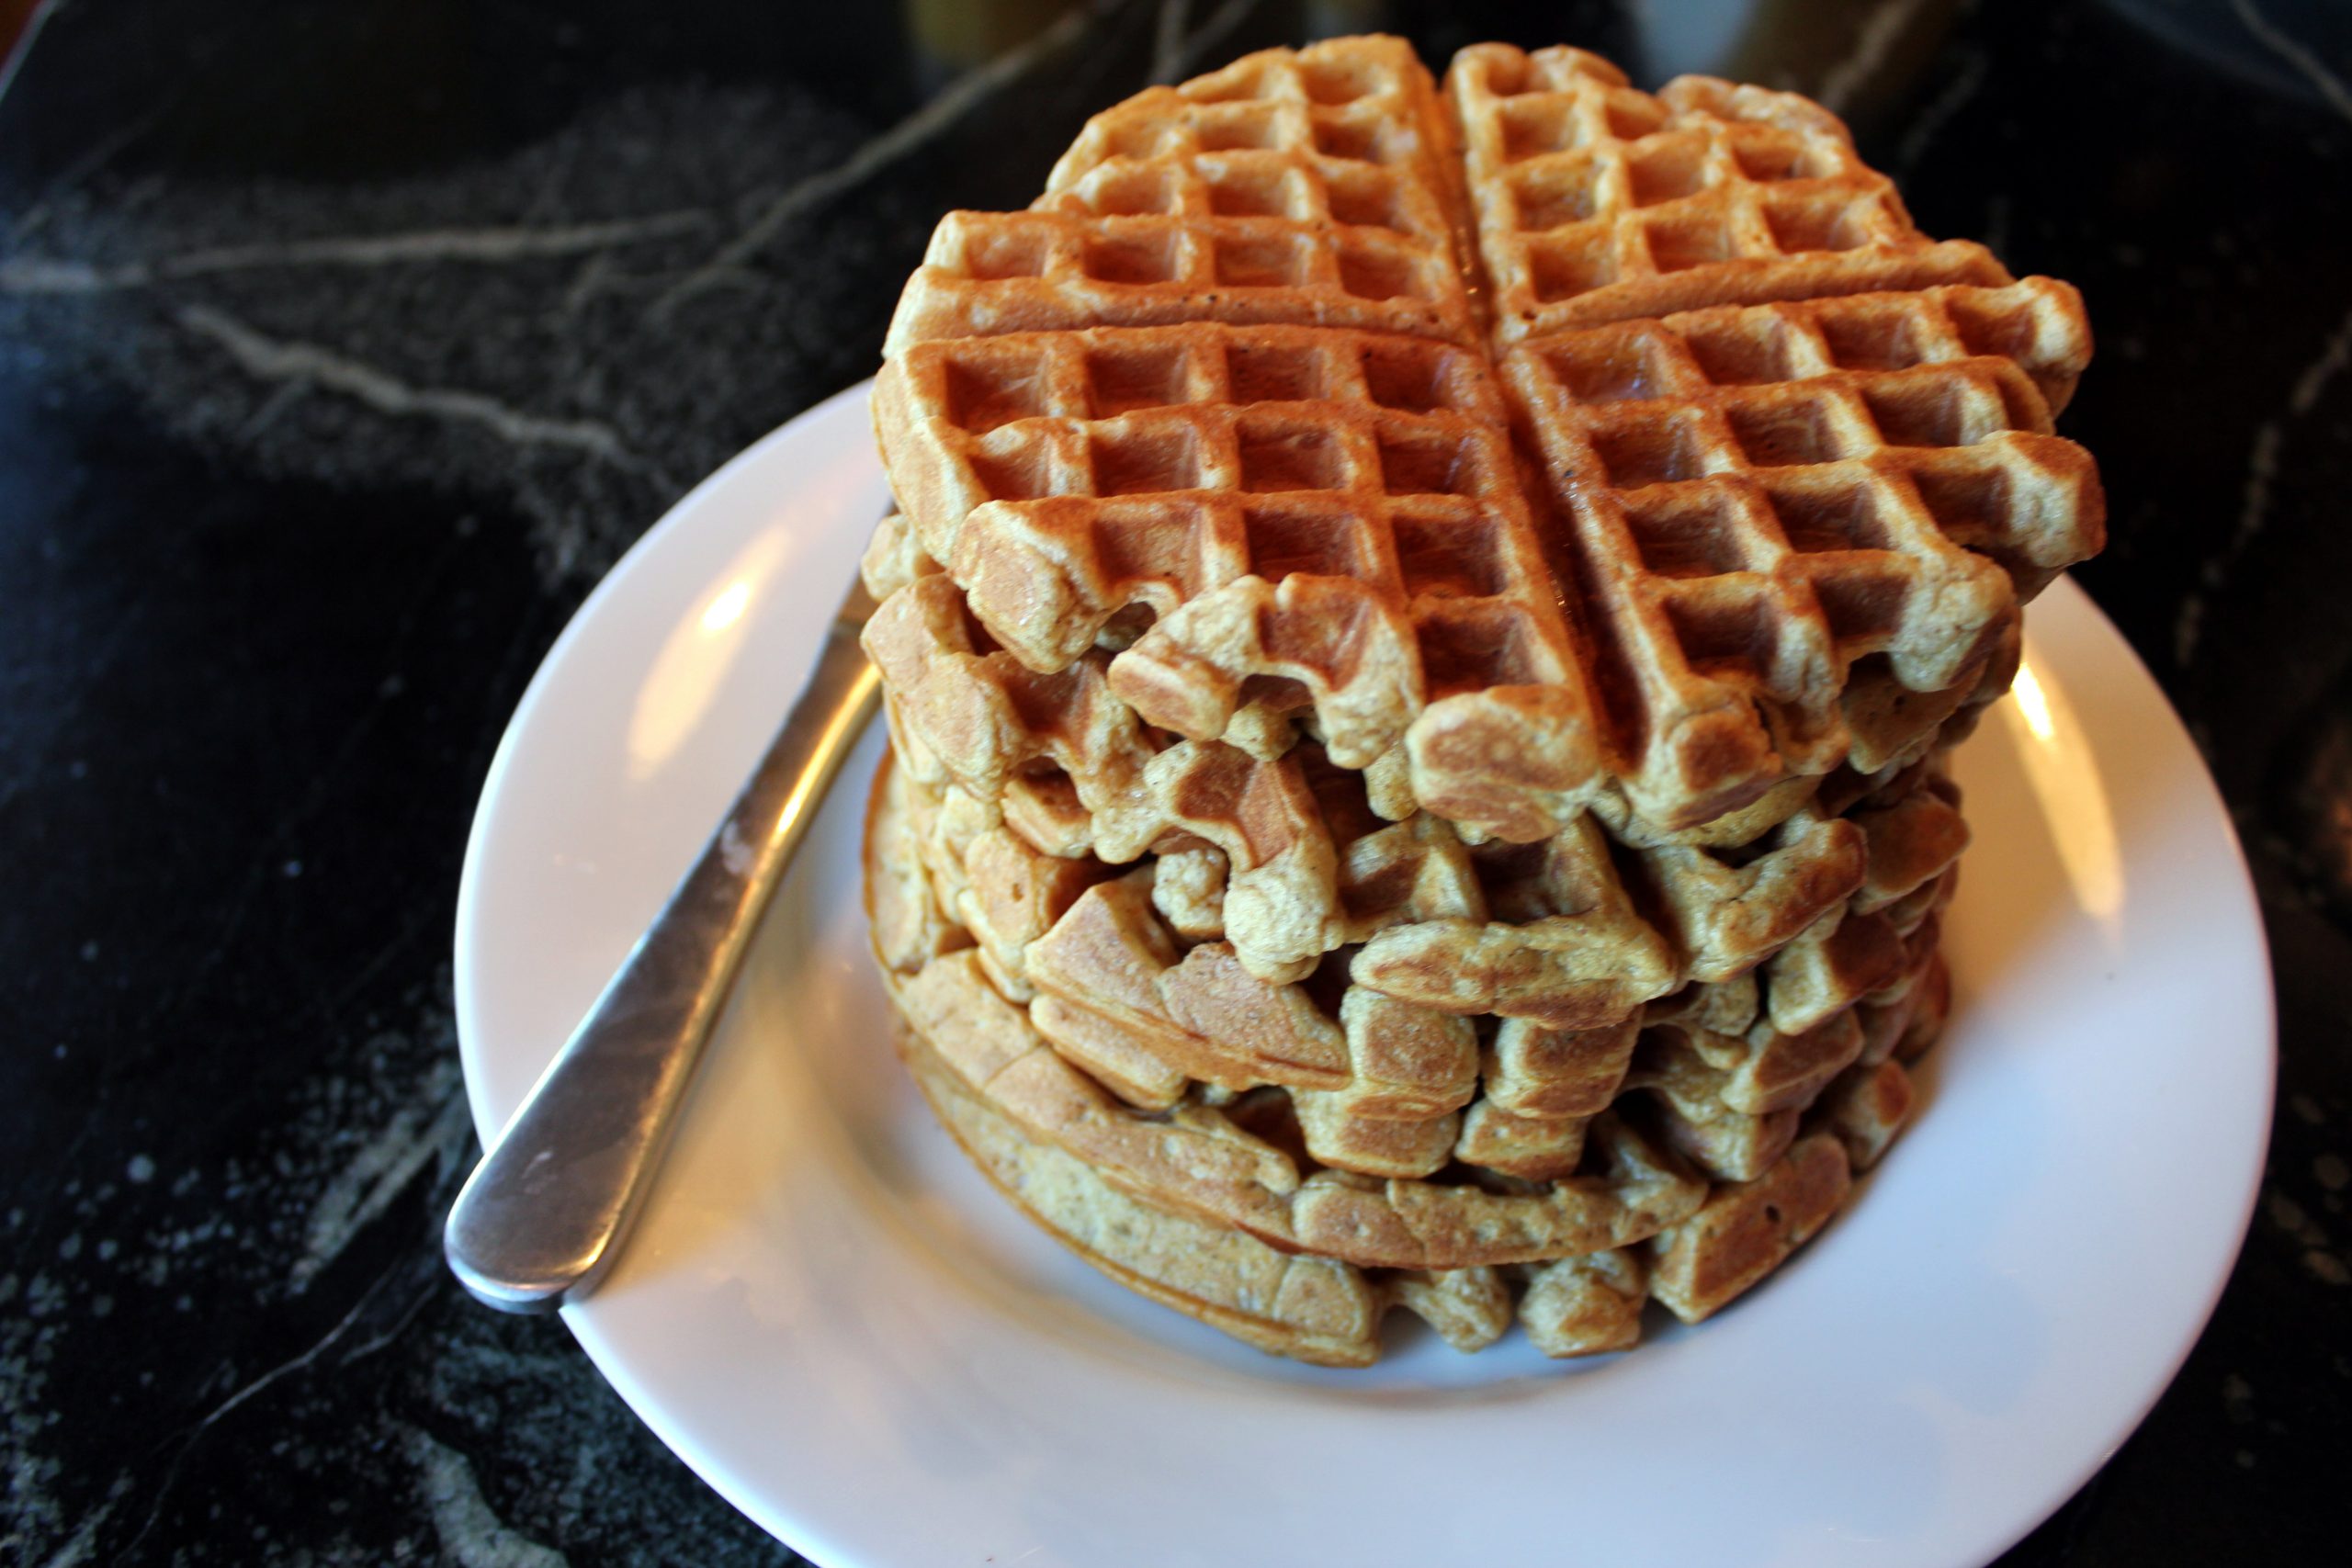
x,y
549,1206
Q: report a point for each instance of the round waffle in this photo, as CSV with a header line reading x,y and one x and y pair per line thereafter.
x,y
1618,1164
1420,644
1763,504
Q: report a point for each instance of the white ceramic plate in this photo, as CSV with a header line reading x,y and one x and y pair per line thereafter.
x,y
829,1314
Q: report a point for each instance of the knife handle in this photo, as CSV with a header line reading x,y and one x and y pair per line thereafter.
x,y
548,1208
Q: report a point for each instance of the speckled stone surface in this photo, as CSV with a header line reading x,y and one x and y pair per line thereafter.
x,y
342,346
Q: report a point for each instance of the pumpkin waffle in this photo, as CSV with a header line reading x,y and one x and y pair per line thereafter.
x,y
1311,187
1269,520
1141,987
1210,1213
1797,561
985,273
1348,133
1375,1082
1746,1229
987,722
1384,1087
1311,1309
1344,102
1260,524
976,716
1588,1305
1201,1158
1596,203
1418,654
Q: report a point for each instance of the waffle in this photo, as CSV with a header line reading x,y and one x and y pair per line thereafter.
x,y
1019,272
1864,1109
1574,935
1745,1231
1419,649
1197,1159
1344,101
1309,188
1374,1083
1596,203
1117,995
980,716
1551,938
1348,132
1202,1209
1262,523
1796,534
1311,1309
1312,187
893,559
1785,515
1586,1306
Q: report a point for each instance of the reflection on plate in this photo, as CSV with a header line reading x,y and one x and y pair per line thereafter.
x,y
830,1316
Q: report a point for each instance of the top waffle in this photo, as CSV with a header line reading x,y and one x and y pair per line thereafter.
x,y
1309,187
1596,203
1752,486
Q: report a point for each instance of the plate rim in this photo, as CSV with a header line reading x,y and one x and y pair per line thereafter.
x,y
670,1425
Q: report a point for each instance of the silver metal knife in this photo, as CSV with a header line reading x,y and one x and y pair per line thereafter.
x,y
551,1205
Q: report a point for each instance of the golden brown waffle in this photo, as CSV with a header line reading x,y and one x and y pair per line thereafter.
x,y
1586,1306
1309,187
1794,535
1033,416
1023,272
1374,1087
1418,654
1197,1159
1345,134
1596,203
1773,538
1265,524
1376,1082
1573,934
1205,1210
1311,1309
1803,509
1903,1019
992,883
981,716
893,559
1350,101
1558,940
1551,938
1746,1230
1864,1110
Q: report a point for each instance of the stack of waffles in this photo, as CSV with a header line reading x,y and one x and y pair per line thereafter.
x,y
1420,644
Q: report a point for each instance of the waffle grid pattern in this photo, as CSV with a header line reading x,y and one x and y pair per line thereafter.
x,y
1762,499
1364,100
1307,519
1596,203
988,273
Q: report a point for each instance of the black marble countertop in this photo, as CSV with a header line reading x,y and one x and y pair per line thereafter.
x,y
342,346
